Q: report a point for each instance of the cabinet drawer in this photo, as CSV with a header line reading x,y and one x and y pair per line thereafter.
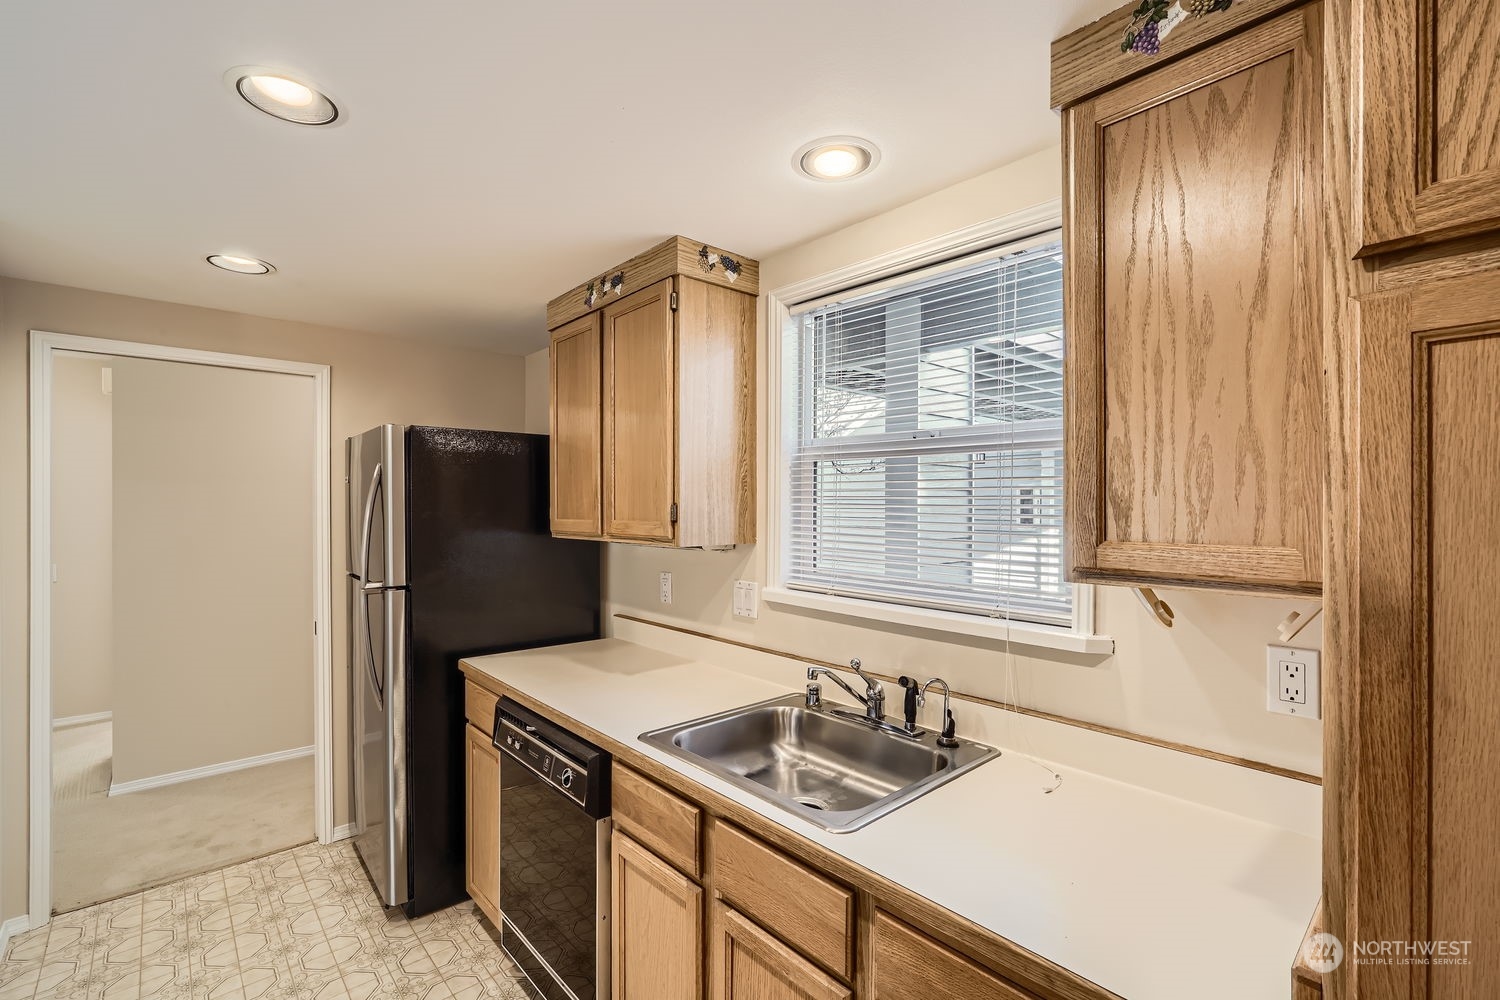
x,y
479,706
658,819
909,965
784,896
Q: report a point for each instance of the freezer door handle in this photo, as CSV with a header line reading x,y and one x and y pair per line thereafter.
x,y
369,521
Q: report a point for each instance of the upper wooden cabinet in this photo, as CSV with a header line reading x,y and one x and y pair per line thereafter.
x,y
1194,405
577,500
653,401
1430,121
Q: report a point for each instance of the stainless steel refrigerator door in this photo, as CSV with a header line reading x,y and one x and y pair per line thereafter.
x,y
377,506
380,759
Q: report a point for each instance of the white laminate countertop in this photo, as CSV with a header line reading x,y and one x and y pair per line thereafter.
x,y
1152,896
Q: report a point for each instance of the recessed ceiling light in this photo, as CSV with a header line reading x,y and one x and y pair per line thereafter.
x,y
239,265
836,158
282,97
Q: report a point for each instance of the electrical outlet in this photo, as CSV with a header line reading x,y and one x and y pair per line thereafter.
x,y
746,599
1292,682
666,588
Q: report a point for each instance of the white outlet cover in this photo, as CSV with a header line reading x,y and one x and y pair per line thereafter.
x,y
666,588
1304,663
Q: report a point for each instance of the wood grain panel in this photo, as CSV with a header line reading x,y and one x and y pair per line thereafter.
x,y
479,706
1463,698
716,446
750,964
1429,160
1194,303
482,822
1417,755
640,415
663,822
677,255
798,904
656,946
909,965
1089,60
575,413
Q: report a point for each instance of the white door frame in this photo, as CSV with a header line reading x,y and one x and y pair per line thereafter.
x,y
44,347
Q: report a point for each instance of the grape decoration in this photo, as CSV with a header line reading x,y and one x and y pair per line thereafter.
x,y
1153,19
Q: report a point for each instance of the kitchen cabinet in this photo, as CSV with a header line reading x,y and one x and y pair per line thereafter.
x,y
1416,744
653,401
711,901
909,965
482,821
1429,122
1194,419
656,947
750,964
577,449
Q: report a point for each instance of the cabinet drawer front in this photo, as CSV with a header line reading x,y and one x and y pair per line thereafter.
x,y
909,965
657,818
479,706
782,895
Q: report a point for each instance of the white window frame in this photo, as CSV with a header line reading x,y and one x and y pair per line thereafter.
x,y
781,443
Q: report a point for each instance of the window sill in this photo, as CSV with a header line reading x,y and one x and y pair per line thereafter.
x,y
1019,633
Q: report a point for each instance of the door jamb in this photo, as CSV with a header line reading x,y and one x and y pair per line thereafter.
x,y
44,347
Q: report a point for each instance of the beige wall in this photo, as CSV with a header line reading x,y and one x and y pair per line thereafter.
x,y
82,607
375,379
214,553
1201,683
538,373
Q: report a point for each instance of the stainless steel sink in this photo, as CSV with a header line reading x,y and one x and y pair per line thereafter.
x,y
829,767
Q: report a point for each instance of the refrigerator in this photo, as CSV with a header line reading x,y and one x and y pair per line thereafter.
x,y
449,555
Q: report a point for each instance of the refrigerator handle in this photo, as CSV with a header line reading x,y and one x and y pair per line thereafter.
x,y
369,520
377,682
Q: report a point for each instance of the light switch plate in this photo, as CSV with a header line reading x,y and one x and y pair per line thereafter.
x,y
1293,682
746,599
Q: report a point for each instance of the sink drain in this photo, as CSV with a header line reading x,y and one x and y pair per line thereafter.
x,y
810,802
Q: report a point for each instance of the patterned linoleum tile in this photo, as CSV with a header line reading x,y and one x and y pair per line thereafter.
x,y
303,925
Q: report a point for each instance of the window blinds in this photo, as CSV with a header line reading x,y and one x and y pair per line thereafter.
x,y
925,433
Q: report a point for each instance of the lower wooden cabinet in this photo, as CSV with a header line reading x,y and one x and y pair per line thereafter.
x,y
750,964
656,948
482,837
909,965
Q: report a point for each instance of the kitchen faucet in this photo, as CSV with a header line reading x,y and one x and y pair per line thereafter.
x,y
873,699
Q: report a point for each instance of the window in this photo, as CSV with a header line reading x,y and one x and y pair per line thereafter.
x,y
922,428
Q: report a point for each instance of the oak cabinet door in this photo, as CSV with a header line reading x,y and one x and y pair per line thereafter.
x,y
640,415
656,946
576,360
1194,405
1421,746
1429,121
482,841
750,964
909,965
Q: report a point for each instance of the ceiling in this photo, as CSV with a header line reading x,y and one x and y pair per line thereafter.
x,y
491,154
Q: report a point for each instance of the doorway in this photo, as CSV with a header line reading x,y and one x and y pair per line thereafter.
x,y
180,579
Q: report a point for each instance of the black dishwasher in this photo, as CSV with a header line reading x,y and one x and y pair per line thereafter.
x,y
554,855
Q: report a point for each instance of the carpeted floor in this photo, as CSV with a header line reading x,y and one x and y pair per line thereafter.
x,y
105,847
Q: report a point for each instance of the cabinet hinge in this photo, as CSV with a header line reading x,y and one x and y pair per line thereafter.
x,y
673,302
672,514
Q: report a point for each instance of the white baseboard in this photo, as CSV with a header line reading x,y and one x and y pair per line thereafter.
x,y
12,927
342,833
192,774
70,721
